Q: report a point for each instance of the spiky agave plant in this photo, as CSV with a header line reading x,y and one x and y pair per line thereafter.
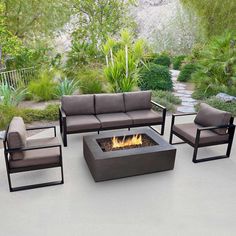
x,y
66,87
11,96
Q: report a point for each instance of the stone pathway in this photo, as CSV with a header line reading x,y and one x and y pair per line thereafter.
x,y
181,91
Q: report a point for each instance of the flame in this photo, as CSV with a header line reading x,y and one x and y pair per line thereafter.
x,y
135,140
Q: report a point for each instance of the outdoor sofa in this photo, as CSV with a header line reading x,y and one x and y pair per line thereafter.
x,y
97,112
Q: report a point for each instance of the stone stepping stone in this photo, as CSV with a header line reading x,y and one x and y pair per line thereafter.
x,y
185,109
188,99
188,104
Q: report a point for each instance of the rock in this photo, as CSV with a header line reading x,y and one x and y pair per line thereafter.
x,y
225,97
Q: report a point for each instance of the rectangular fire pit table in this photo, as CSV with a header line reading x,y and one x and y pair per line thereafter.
x,y
107,165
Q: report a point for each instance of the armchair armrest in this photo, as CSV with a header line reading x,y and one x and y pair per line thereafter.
x,y
185,114
44,127
31,148
180,114
215,127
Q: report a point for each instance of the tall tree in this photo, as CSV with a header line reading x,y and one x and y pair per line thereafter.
x,y
97,19
29,18
9,44
216,16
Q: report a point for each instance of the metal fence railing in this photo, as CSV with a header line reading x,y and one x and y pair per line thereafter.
x,y
17,77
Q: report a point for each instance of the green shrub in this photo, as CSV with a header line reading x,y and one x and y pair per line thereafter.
x,y
66,87
163,60
91,80
186,72
166,98
219,104
50,113
217,70
44,88
177,62
7,113
11,96
155,77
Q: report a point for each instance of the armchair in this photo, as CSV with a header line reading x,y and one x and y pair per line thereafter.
x,y
22,154
210,127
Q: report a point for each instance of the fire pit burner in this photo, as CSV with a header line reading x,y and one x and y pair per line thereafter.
x,y
106,164
125,142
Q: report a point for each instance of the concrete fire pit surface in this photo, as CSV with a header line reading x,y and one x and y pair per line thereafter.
x,y
127,162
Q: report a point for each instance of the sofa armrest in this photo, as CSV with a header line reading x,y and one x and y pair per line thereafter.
x,y
62,112
158,105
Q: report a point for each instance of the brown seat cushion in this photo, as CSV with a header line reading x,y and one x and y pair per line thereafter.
x,y
137,100
82,122
210,116
16,137
111,120
78,105
39,156
189,132
143,117
109,103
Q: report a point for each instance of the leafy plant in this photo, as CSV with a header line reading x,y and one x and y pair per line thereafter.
x,y
66,87
217,67
43,88
122,60
163,60
186,72
177,62
50,113
91,79
155,77
11,96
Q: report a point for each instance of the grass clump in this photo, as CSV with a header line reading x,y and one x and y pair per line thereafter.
x,y
166,98
50,113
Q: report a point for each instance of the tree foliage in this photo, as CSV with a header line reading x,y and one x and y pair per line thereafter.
x,y
9,44
99,19
217,67
215,16
28,19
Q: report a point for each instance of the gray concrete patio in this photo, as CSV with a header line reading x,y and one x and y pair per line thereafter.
x,y
193,199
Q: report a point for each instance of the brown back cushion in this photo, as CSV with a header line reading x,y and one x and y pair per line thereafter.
x,y
109,103
78,104
16,137
137,100
210,116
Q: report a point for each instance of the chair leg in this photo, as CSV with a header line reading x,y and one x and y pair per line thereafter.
x,y
195,154
64,138
62,175
162,129
9,181
171,137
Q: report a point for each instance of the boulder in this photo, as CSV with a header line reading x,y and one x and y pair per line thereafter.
x,y
225,97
